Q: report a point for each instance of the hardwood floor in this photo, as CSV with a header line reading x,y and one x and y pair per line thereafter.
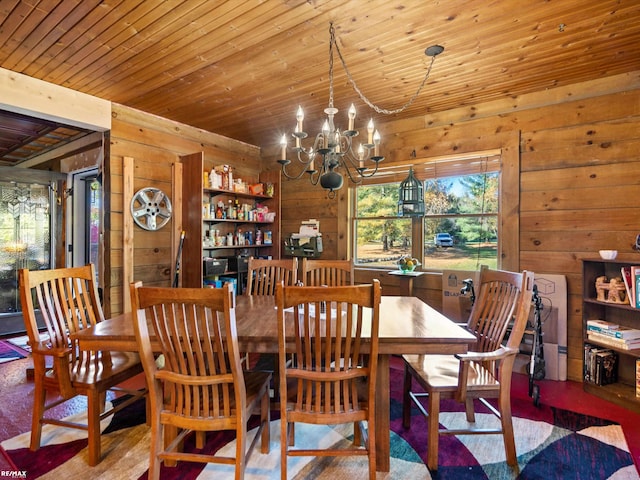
x,y
16,393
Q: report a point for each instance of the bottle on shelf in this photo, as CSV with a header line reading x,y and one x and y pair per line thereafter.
x,y
214,179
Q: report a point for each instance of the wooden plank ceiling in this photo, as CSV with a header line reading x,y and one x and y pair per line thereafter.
x,y
240,68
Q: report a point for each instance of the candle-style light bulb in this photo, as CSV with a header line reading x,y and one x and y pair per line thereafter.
x,y
325,133
352,116
300,118
312,156
337,141
283,144
297,130
376,142
370,129
361,156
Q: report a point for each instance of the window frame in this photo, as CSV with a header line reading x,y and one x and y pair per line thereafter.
x,y
446,167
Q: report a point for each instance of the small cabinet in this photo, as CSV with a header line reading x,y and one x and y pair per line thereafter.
x,y
623,390
253,229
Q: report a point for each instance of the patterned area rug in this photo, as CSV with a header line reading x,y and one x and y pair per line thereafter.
x,y
551,443
9,352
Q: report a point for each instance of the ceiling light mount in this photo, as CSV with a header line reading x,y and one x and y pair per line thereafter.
x,y
434,50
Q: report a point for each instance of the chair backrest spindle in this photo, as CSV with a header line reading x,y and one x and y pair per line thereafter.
x,y
263,274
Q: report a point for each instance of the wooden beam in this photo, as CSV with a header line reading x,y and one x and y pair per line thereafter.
x,y
29,96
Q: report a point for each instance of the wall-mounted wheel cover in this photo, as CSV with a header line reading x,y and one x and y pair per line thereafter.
x,y
150,208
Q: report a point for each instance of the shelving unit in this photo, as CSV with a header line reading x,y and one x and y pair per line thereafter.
x,y
197,222
622,392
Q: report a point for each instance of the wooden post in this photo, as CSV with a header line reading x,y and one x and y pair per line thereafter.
x,y
127,231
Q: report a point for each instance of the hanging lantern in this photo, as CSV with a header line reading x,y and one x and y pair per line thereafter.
x,y
411,197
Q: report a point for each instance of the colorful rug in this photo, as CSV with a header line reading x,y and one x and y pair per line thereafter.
x,y
551,444
9,352
22,342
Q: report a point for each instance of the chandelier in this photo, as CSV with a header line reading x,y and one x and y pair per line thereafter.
x,y
333,150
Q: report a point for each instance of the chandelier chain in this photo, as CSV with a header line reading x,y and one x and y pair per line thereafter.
x,y
357,89
332,40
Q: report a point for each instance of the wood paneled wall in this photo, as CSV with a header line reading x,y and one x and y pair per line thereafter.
x,y
579,184
154,144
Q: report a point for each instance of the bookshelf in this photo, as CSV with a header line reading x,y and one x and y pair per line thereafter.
x,y
623,390
199,224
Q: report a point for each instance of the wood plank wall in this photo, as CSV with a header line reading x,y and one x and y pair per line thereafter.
x,y
579,183
154,144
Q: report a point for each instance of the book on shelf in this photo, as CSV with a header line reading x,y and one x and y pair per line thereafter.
x,y
628,284
588,373
613,330
602,324
632,273
600,365
636,279
619,343
606,367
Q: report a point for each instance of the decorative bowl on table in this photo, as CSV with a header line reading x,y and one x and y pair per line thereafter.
x,y
407,264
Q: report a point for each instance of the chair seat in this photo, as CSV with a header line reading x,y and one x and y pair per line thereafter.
x,y
440,372
109,368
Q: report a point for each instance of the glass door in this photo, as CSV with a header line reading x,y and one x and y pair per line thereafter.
x,y
25,242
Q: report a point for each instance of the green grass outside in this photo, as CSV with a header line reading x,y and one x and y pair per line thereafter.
x,y
469,256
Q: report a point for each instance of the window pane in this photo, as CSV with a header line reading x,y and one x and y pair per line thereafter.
x,y
382,242
25,241
377,200
463,194
474,242
93,221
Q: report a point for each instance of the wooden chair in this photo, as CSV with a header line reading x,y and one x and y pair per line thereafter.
x,y
201,387
263,275
67,301
327,272
484,372
327,383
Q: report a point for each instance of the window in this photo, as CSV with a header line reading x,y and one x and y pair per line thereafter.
x,y
459,229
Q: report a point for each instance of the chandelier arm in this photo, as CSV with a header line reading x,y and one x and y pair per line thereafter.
x,y
371,104
354,179
289,176
375,170
311,174
292,177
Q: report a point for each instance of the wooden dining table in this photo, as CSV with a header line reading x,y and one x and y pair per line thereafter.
x,y
407,325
